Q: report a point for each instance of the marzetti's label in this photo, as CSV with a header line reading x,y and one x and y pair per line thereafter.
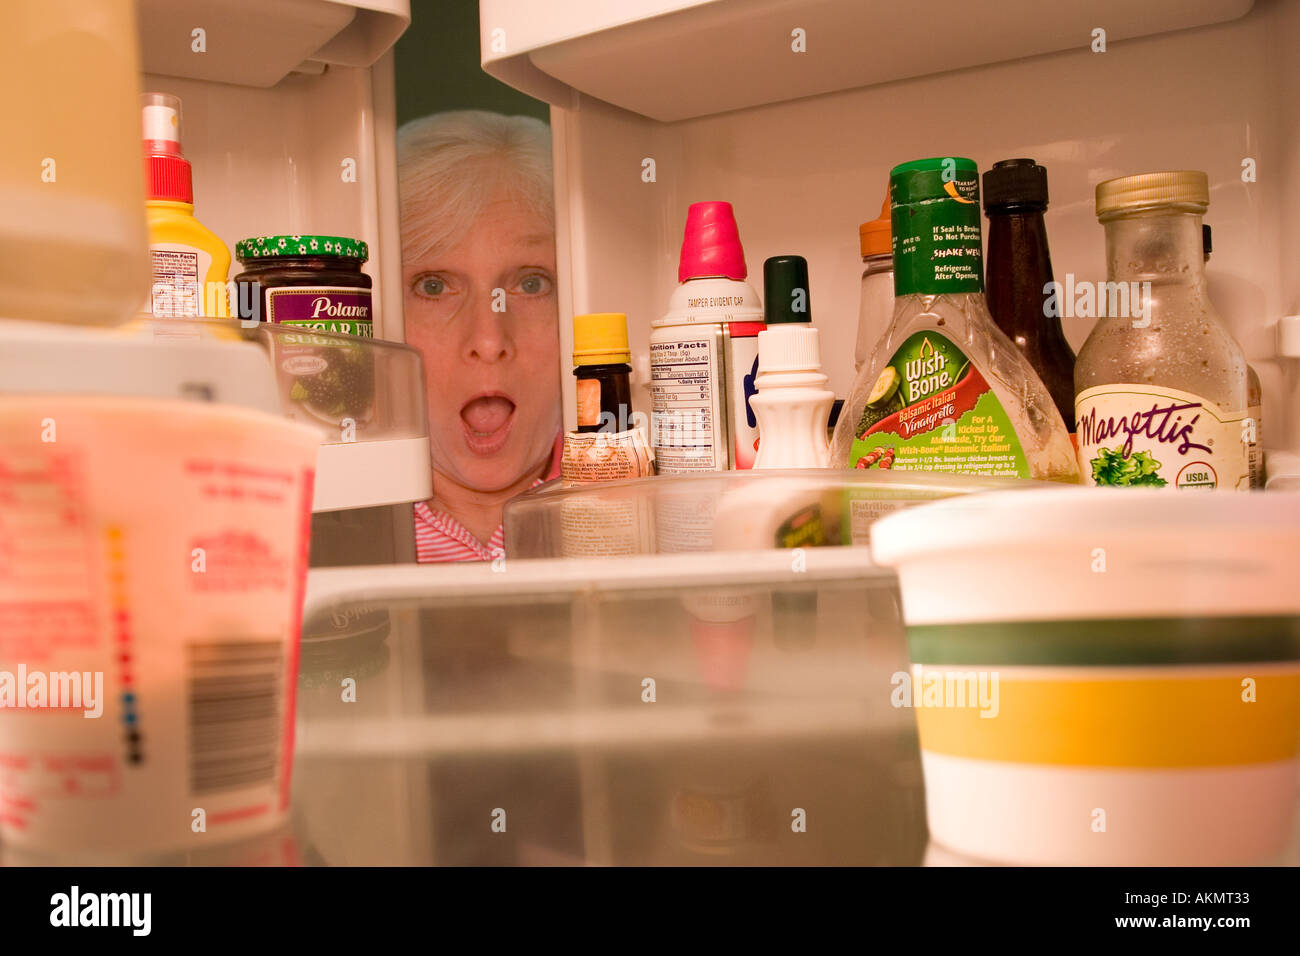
x,y
338,309
932,410
1148,436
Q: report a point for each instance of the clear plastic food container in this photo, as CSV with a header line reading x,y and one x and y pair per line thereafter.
x,y
723,511
364,397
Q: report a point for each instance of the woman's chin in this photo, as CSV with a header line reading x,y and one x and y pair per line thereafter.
x,y
486,463
488,474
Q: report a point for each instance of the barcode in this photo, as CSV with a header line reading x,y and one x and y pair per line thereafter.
x,y
234,714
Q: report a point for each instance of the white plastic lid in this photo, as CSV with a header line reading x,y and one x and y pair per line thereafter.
x,y
1094,553
713,300
789,348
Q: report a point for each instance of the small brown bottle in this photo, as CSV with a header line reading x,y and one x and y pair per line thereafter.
x,y
1020,276
610,442
601,357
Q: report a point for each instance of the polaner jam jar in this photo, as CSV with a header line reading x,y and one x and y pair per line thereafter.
x,y
314,289
312,282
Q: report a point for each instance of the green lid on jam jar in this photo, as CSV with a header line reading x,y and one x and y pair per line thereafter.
x,y
259,247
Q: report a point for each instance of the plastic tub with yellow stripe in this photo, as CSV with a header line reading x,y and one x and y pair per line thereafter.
x,y
1104,676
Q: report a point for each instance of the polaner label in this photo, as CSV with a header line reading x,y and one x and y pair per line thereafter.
x,y
334,309
1144,436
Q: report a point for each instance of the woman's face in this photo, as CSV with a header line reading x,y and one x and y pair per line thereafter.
x,y
485,317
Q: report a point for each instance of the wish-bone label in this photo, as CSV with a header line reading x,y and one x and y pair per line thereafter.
x,y
931,410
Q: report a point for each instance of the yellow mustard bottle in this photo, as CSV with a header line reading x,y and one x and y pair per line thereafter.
x,y
189,263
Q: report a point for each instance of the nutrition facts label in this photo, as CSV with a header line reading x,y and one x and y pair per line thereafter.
x,y
684,376
46,566
176,289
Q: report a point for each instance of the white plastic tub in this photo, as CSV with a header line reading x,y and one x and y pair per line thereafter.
x,y
157,549
1139,655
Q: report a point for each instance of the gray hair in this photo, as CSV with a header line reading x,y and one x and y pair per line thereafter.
x,y
450,164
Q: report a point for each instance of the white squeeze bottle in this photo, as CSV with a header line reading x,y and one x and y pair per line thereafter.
x,y
792,406
793,403
704,352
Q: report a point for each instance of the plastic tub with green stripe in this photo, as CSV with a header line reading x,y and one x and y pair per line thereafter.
x,y
1102,676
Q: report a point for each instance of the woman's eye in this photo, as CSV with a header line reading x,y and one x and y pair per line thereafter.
x,y
535,285
430,286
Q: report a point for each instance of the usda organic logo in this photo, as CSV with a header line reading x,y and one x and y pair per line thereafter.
x,y
1197,476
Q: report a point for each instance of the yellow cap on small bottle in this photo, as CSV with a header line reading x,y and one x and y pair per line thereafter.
x,y
600,338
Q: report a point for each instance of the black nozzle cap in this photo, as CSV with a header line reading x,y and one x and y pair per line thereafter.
x,y
1015,182
785,290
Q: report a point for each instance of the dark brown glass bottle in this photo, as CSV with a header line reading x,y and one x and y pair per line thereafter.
x,y
1020,269
600,360
609,386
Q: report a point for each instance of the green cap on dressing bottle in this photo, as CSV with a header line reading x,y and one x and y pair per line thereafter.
x,y
935,207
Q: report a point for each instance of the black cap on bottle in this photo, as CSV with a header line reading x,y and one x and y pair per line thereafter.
x,y
1015,182
785,290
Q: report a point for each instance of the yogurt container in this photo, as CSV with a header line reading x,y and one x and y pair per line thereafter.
x,y
1103,677
153,558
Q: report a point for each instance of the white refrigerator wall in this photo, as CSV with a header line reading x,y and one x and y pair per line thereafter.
x,y
803,174
313,154
289,123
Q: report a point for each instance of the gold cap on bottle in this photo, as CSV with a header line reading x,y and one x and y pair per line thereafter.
x,y
600,338
1184,187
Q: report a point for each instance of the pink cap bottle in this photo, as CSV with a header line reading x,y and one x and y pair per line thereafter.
x,y
704,351
711,246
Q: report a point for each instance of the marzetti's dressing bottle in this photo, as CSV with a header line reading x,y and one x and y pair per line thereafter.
x,y
704,352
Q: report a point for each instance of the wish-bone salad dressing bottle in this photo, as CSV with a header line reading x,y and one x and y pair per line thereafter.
x,y
1161,387
945,390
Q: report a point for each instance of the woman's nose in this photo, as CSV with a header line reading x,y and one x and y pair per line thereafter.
x,y
487,337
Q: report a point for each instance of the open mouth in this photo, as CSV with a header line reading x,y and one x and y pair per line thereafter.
x,y
487,419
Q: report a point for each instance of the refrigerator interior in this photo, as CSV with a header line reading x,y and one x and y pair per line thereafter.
x,y
801,143
522,687
288,120
672,710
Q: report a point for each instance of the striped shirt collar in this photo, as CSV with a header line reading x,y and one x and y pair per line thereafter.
x,y
440,537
